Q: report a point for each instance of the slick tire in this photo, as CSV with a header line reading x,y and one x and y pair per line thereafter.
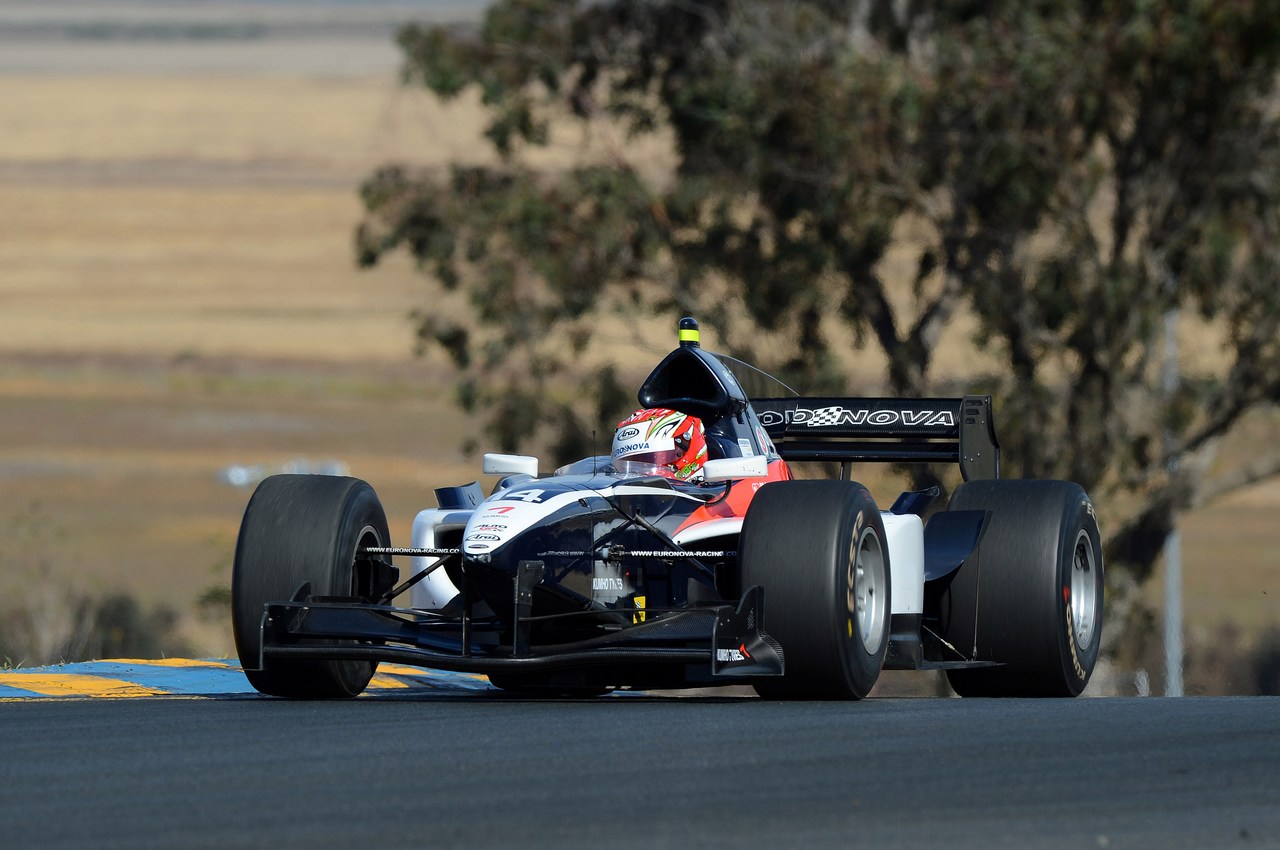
x,y
298,530
817,548
1031,596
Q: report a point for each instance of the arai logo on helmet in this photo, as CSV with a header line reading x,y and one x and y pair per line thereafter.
x,y
628,433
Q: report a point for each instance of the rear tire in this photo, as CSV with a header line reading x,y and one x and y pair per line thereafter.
x,y
302,529
817,549
1031,595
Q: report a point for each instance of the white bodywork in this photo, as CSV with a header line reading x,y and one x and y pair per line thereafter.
x,y
904,536
436,590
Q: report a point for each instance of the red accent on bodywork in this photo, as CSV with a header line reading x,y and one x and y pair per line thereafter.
x,y
739,499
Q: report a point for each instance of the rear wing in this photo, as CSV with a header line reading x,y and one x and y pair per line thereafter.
x,y
886,430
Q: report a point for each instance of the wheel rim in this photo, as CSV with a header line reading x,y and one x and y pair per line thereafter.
x,y
1084,590
368,537
868,602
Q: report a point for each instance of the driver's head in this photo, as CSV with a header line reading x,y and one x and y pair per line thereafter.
x,y
673,442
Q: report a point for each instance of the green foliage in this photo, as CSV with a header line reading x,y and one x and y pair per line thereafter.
x,y
1223,661
54,625
1067,172
48,622
124,629
1266,663
214,603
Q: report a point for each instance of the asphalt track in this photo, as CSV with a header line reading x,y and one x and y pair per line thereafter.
x,y
444,761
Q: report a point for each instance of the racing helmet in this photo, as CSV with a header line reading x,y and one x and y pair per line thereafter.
x,y
674,443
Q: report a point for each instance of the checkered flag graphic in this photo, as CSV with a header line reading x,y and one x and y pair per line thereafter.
x,y
824,416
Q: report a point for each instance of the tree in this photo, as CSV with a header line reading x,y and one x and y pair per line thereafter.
x,y
1067,173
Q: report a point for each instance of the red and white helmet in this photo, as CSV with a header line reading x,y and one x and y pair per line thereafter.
x,y
672,442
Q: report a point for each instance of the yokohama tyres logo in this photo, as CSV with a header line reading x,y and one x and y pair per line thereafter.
x,y
825,417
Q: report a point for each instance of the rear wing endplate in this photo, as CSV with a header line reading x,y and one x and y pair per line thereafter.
x,y
885,430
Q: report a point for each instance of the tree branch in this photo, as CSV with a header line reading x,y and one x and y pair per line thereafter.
x,y
1254,472
934,318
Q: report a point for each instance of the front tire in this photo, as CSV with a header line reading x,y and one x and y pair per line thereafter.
x,y
299,530
818,550
1031,595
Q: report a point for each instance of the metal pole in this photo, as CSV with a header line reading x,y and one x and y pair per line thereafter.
x,y
1173,614
1173,543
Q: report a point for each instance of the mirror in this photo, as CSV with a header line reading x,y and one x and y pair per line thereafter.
x,y
498,464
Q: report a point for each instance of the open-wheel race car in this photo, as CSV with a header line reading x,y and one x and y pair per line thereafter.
x,y
613,572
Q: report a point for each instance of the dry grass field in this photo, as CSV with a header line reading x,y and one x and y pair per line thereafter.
x,y
178,295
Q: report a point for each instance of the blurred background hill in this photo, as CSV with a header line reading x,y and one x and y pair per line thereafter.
x,y
180,313
178,296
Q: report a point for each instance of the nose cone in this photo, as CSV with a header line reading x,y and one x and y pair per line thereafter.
x,y
515,512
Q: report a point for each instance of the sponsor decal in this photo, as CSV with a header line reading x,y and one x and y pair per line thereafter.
x,y
729,656
851,597
745,445
505,509
629,448
483,537
609,584
479,547
488,528
1071,635
825,417
765,442
628,433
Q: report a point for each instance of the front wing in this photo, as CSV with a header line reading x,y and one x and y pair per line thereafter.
x,y
710,644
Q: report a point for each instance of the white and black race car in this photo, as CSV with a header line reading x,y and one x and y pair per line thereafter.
x,y
600,576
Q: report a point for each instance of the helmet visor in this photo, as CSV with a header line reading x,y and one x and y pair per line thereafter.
x,y
655,457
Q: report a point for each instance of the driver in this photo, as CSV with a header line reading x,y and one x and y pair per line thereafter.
x,y
674,443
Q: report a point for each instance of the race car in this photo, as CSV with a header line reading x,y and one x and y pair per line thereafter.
x,y
607,574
